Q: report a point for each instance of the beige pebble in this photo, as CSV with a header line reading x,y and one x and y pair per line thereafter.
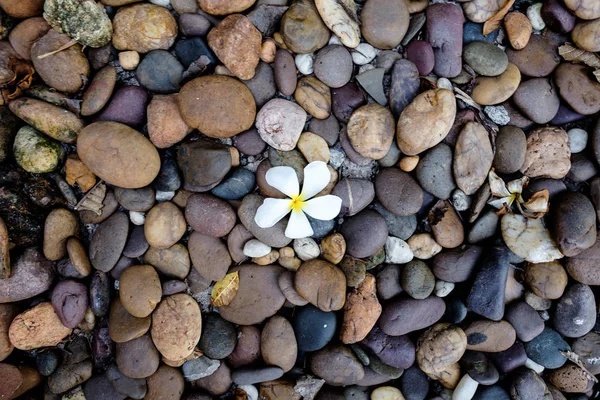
x,y
268,50
129,60
37,327
409,163
288,259
423,246
333,248
387,393
267,259
518,28
313,147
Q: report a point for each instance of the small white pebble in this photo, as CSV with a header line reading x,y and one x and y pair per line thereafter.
x,y
444,83
137,218
498,114
250,390
304,63
397,251
255,248
363,54
460,200
534,13
162,3
336,157
164,196
577,140
545,315
116,285
532,365
129,60
306,249
466,388
443,288
334,39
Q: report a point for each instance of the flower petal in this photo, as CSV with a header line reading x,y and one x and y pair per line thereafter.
x,y
272,211
324,207
298,226
283,179
517,185
316,178
499,203
497,185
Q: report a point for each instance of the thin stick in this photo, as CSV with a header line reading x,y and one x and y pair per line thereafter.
x,y
61,48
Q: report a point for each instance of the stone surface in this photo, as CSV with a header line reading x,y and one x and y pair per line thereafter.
x,y
371,131
537,59
278,343
280,123
108,242
473,157
574,227
547,154
445,33
575,311
402,316
37,327
302,29
494,90
31,275
140,290
365,233
384,23
143,27
337,365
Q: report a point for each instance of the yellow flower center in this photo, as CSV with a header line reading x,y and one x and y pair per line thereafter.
x,y
297,203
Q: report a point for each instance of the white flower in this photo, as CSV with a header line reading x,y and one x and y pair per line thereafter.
x,y
316,178
505,195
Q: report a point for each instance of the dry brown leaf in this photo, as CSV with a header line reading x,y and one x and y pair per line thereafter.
x,y
23,77
225,290
495,20
576,55
78,173
537,206
93,200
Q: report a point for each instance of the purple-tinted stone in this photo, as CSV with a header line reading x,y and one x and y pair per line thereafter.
x,y
557,17
396,351
509,359
345,100
445,34
69,300
127,106
420,53
100,293
249,142
191,25
565,115
103,348
172,287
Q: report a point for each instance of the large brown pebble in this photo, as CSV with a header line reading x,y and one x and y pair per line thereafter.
x,y
7,313
22,9
143,27
137,358
302,28
371,131
384,22
258,296
165,384
456,265
118,154
546,280
538,59
209,256
176,326
140,290
98,93
583,267
570,378
247,350
314,97
37,327
123,326
439,347
59,226
209,215
426,121
322,284
164,226
402,316
398,192
218,106
337,365
278,343
24,35
361,311
575,86
17,380
574,223
54,121
31,275
518,29
224,7
585,35
67,70
494,90
473,157
490,336
166,127
173,262
548,154
108,242
584,9
446,225
237,43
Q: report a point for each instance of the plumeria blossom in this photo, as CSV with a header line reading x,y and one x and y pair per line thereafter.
x,y
299,203
505,194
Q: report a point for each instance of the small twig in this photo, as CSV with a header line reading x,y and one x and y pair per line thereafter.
x,y
574,358
61,48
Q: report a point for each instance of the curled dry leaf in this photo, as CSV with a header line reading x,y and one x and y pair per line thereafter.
x,y
537,206
577,55
93,201
597,74
225,290
494,22
23,76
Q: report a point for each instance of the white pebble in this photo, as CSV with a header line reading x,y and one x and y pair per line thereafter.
x,y
532,365
334,39
304,63
162,3
498,114
255,248
250,391
137,218
577,140
363,54
443,288
534,13
466,388
164,196
397,251
460,200
444,83
336,157
306,249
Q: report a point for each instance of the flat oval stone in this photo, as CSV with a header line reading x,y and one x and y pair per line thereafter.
x,y
209,256
402,316
173,262
580,92
278,343
337,365
124,327
420,53
538,59
314,328
526,321
473,157
258,296
456,265
479,367
490,336
584,35
575,311
302,29
280,123
398,192
356,195
134,165
37,327
485,58
322,284
574,223
538,100
434,171
583,266
108,242
333,66
218,106
164,225
140,200
405,85
371,131
219,337
445,34
204,164
548,154
137,358
209,215
365,233
395,351
511,145
140,290
127,106
70,300
98,93
545,349
494,90
285,72
31,275
143,27
345,100
384,23
160,72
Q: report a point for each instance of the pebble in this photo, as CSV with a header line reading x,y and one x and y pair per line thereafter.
x,y
423,246
511,145
494,90
337,365
313,147
134,388
204,107
332,66
445,34
446,225
322,284
402,316
395,351
518,29
510,359
546,99
218,383
582,266
405,85
372,82
285,72
140,200
485,59
140,290
584,35
37,327
490,336
443,288
345,100
547,154
273,236
203,164
302,29
313,96
484,228
70,301
128,34
218,339
557,17
173,262
209,215
438,351
165,382
314,328
534,13
160,72
198,368
526,321
365,233
421,54
585,9
575,311
192,24
537,59
577,89
164,225
262,85
384,23
304,63
574,223
397,251
280,123
545,349
398,192
278,343
256,375
361,311
577,140
371,131
165,125
209,256
434,171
